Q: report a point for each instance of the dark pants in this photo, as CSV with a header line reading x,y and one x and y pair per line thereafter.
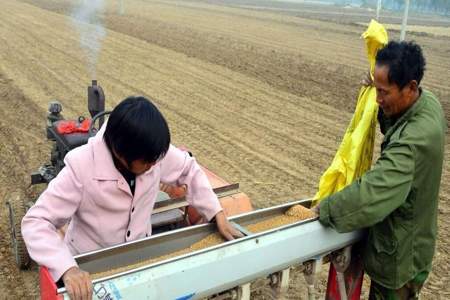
x,y
409,291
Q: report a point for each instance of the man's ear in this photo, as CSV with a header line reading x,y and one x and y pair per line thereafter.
x,y
413,86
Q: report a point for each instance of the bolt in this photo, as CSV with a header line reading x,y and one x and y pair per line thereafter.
x,y
273,279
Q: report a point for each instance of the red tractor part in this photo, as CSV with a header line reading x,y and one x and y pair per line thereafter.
x,y
345,276
233,204
47,285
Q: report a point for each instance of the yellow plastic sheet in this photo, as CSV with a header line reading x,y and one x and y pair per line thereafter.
x,y
354,156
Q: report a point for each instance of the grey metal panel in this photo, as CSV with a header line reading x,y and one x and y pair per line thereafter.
x,y
136,251
162,196
158,245
221,268
214,269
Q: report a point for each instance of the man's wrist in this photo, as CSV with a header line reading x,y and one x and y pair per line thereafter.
x,y
324,209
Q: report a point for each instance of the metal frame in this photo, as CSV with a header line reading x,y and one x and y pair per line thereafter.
x,y
211,270
168,203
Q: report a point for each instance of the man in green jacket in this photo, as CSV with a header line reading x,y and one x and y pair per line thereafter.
x,y
397,199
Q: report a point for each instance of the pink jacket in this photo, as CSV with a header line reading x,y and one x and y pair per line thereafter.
x,y
93,194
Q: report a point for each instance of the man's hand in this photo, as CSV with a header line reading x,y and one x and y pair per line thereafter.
x,y
78,284
367,80
316,209
225,228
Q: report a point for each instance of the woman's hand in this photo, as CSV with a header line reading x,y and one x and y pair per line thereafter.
x,y
78,284
225,228
174,191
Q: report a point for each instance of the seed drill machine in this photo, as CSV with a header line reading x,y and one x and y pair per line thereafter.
x,y
168,264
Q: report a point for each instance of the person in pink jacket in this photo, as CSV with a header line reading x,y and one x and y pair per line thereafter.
x,y
108,189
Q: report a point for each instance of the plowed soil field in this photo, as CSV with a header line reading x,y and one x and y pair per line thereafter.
x,y
260,96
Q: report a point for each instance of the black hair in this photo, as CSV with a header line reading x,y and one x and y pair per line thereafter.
x,y
136,129
405,61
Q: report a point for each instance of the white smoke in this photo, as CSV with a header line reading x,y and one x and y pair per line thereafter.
x,y
86,20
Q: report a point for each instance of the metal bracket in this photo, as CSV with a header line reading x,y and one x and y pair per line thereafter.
x,y
312,267
45,174
244,292
279,281
341,260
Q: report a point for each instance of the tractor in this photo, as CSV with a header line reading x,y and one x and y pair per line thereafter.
x,y
171,209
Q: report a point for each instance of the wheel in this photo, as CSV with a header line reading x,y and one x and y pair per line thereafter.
x,y
17,209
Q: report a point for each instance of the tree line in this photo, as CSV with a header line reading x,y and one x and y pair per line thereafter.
x,y
434,6
426,6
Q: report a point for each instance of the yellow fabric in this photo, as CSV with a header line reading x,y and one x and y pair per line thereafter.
x,y
354,156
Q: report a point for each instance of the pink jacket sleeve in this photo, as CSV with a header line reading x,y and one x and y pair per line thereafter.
x,y
178,168
52,210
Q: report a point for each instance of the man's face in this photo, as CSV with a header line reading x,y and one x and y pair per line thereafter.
x,y
390,98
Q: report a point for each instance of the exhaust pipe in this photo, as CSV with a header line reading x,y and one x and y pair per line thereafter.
x,y
96,101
